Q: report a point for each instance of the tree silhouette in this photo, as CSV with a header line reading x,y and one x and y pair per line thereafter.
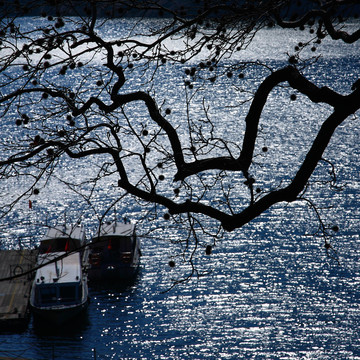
x,y
72,90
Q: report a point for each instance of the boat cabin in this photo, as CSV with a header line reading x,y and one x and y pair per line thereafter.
x,y
63,238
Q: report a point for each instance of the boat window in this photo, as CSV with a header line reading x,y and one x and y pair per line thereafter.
x,y
97,249
122,244
47,294
58,244
45,247
126,244
117,244
67,293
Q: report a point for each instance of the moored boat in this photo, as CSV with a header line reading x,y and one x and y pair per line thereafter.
x,y
114,252
60,289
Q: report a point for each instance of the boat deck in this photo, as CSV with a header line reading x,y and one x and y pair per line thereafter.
x,y
14,293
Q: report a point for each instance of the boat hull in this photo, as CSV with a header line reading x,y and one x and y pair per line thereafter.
x,y
59,315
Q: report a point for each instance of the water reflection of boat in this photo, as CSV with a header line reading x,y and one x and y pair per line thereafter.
x,y
60,288
114,252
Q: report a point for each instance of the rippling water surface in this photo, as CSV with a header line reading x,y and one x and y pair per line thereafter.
x,y
271,292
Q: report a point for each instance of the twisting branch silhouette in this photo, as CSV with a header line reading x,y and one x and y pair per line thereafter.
x,y
70,89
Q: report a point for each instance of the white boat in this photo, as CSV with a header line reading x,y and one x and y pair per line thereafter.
x,y
60,289
114,252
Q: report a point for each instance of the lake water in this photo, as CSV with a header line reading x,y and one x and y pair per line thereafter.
x,y
270,292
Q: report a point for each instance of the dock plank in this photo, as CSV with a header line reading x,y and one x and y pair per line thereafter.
x,y
14,293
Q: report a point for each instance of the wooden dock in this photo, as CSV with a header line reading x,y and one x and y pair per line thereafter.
x,y
15,292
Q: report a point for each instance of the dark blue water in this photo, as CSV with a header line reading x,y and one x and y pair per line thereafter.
x,y
270,290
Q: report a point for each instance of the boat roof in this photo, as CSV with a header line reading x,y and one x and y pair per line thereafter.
x,y
115,228
64,270
76,232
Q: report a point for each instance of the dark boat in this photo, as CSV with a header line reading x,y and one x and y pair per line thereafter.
x,y
114,252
